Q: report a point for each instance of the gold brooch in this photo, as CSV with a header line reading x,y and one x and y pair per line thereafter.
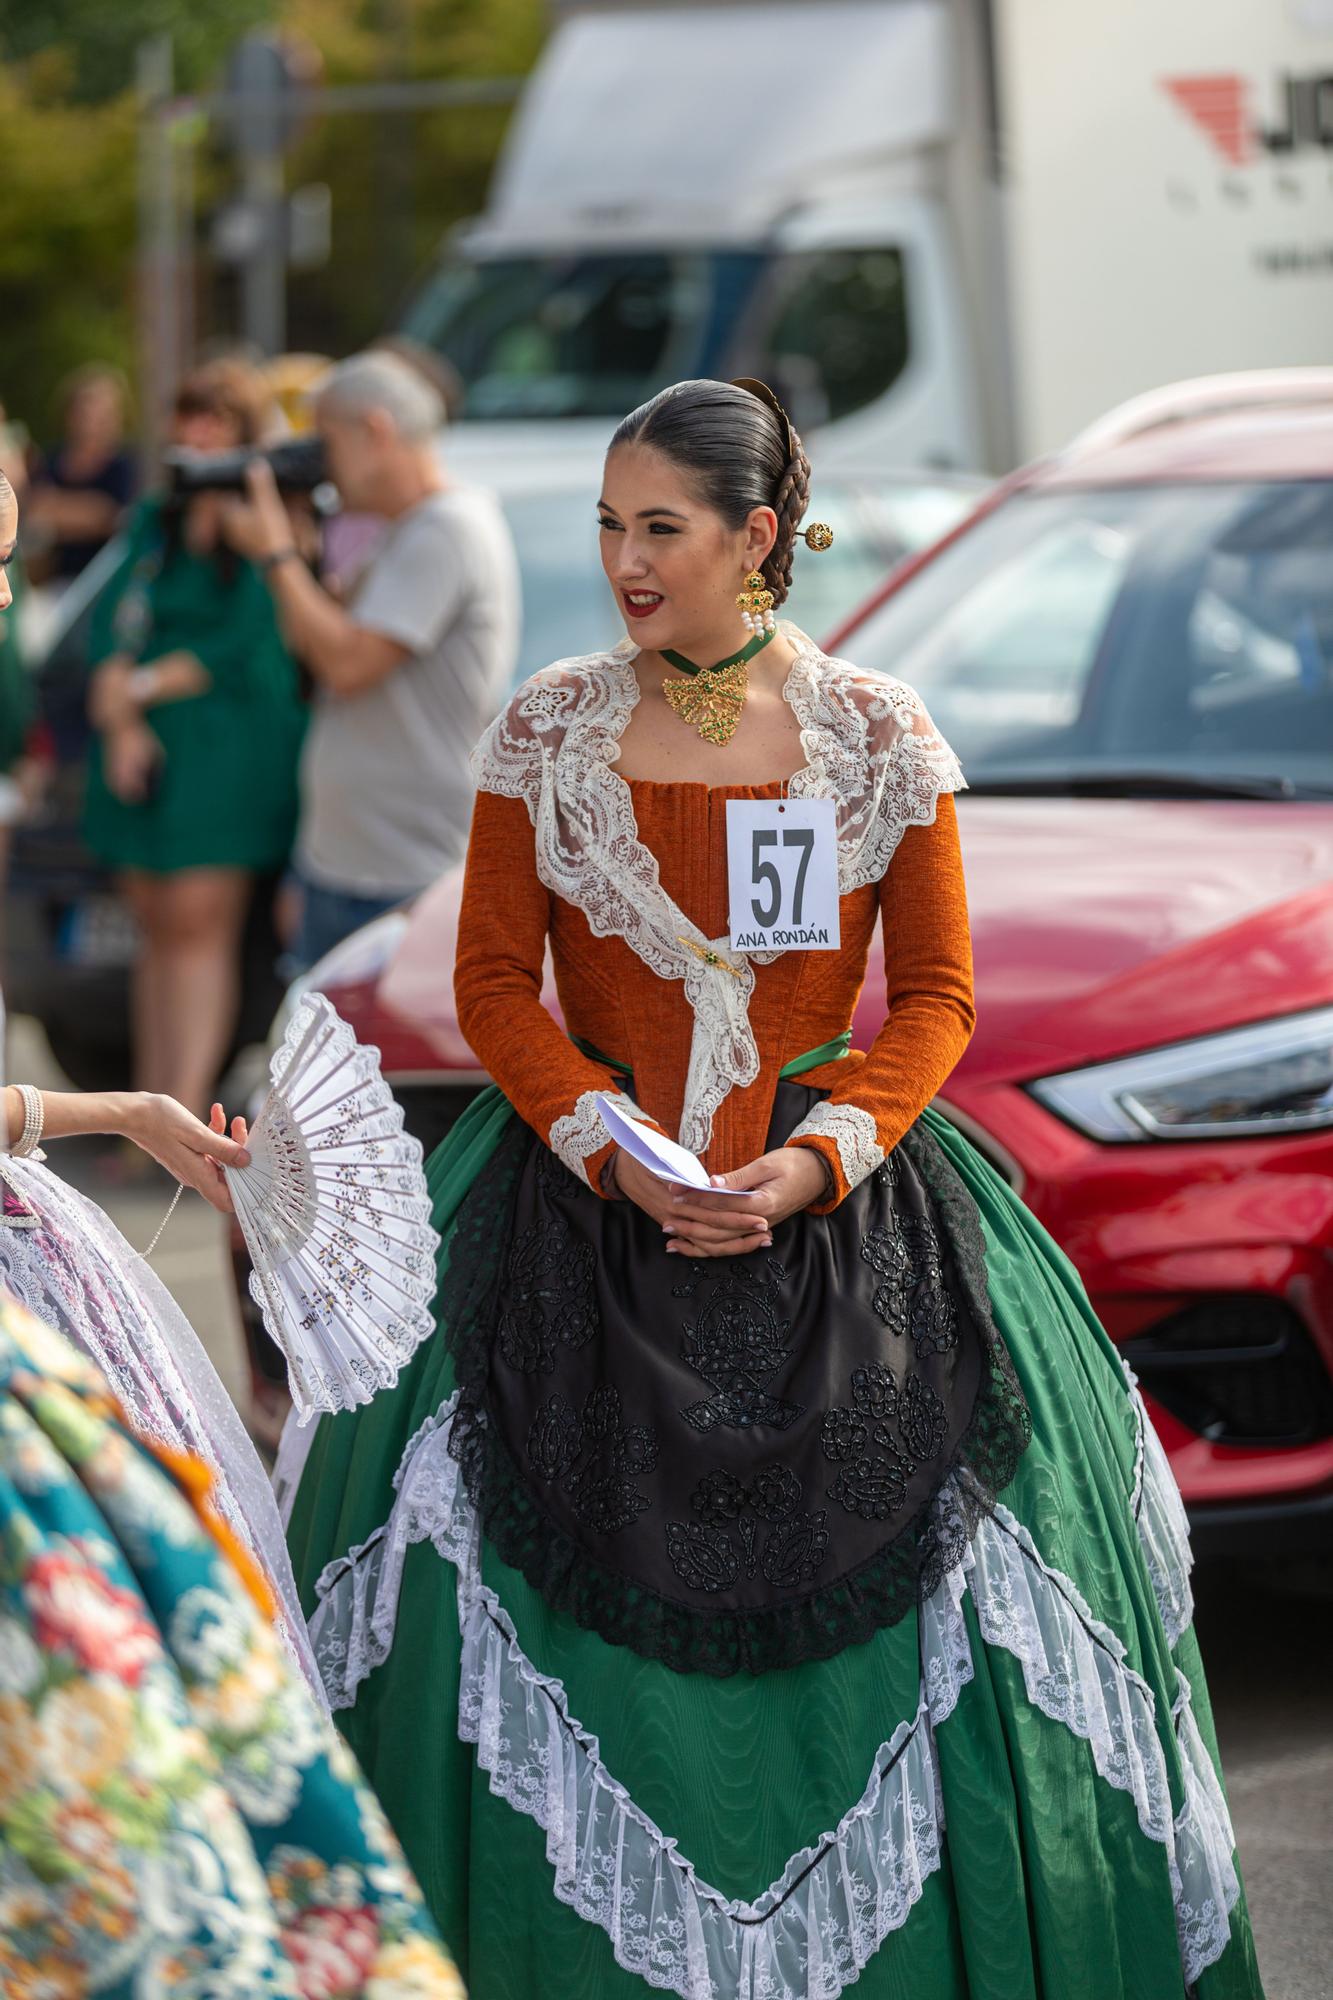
x,y
708,955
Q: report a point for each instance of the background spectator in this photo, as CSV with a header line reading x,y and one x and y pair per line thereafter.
x,y
80,491
192,782
409,672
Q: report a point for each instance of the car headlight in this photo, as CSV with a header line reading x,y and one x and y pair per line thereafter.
x,y
1271,1078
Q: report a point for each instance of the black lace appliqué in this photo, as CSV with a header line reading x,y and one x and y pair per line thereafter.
x,y
594,1457
737,1342
883,1248
922,1421
727,1542
904,1254
934,1317
880,1440
552,1299
871,1482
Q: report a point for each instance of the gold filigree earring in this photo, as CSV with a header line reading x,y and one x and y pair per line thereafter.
x,y
755,603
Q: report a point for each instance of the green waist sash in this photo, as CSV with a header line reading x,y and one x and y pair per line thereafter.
x,y
832,1051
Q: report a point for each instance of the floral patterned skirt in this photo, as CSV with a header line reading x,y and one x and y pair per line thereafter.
x,y
176,1815
998,1783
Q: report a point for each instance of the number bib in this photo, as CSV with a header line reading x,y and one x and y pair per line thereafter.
x,y
782,874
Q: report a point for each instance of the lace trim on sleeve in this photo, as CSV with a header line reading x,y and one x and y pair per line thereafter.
x,y
853,1131
575,1138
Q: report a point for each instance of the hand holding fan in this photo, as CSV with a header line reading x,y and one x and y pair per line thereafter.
x,y
335,1214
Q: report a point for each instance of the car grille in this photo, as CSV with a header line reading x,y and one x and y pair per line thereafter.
x,y
1239,1370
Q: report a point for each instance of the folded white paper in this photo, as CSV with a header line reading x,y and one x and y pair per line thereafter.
x,y
653,1150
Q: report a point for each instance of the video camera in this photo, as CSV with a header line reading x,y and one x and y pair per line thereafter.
x,y
299,465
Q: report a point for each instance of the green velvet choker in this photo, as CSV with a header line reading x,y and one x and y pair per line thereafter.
x,y
746,653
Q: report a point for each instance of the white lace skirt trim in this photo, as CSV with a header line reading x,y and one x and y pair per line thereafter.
x,y
807,1936
1164,1528
1204,1881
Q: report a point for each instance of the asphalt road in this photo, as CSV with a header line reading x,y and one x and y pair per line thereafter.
x,y
1267,1635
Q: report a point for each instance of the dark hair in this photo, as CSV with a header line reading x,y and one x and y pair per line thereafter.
x,y
736,447
231,390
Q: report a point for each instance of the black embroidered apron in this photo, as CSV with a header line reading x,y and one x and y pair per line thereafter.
x,y
727,1463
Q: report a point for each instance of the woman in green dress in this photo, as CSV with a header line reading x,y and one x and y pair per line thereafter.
x,y
192,787
765,1587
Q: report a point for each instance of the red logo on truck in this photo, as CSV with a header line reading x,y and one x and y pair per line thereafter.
x,y
1217,105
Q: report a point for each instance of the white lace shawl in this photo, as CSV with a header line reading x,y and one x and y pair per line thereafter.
x,y
868,744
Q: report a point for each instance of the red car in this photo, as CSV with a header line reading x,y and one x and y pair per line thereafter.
x,y
1131,649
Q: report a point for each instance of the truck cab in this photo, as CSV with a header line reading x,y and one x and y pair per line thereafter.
x,y
690,192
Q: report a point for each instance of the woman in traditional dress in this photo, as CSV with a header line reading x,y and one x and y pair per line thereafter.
x,y
758,1589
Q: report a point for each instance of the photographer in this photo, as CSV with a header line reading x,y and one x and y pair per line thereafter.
x,y
192,780
410,672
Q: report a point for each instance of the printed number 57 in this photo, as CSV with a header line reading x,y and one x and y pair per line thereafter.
x,y
766,872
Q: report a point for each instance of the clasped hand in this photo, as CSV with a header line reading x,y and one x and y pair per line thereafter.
x,y
699,1224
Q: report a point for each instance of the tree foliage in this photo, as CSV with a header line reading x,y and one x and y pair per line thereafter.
x,y
69,117
98,42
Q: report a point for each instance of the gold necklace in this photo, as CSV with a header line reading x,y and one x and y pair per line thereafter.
x,y
712,698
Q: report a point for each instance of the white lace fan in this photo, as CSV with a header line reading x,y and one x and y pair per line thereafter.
x,y
335,1214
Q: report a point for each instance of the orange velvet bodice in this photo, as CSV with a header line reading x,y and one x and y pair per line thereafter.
x,y
801,999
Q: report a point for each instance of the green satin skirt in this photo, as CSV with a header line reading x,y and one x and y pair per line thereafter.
x,y
1062,1830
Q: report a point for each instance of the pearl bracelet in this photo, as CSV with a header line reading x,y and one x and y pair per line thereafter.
x,y
34,1117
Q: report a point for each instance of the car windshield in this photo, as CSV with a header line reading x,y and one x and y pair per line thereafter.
x,y
1128,633
568,607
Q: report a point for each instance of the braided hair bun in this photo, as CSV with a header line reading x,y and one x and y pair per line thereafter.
x,y
793,497
739,447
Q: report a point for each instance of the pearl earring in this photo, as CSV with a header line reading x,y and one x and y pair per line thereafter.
x,y
755,603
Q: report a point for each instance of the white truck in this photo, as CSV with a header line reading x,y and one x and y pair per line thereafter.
x,y
951,232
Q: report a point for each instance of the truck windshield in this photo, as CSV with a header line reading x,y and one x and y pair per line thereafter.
x,y
1128,634
578,335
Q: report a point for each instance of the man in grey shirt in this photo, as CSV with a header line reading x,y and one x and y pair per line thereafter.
x,y
409,672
